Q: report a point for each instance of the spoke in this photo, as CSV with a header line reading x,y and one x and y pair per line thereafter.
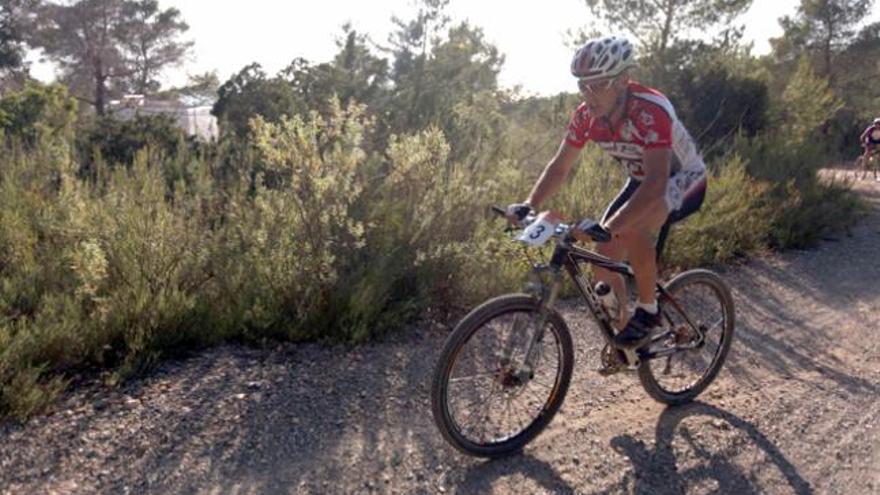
x,y
472,403
507,411
541,383
471,377
485,403
477,400
716,324
540,398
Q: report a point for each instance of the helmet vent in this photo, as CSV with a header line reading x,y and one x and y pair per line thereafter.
x,y
603,57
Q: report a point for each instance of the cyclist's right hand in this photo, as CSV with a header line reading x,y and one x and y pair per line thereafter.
x,y
516,212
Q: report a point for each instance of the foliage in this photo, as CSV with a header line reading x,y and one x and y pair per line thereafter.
x,y
107,47
733,221
656,24
822,27
730,105
14,24
429,85
149,38
808,102
37,111
789,158
250,93
354,75
111,141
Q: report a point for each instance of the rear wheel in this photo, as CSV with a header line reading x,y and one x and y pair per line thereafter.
x,y
484,401
705,299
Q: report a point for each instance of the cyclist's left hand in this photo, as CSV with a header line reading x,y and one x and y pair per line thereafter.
x,y
516,212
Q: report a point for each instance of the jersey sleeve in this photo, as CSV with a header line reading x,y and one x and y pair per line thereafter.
x,y
655,127
578,132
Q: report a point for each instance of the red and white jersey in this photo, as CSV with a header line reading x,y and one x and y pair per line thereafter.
x,y
649,121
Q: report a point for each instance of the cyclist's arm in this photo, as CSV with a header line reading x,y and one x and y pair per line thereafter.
x,y
864,137
656,164
554,174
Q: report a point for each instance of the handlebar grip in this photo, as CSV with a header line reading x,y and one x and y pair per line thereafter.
x,y
499,210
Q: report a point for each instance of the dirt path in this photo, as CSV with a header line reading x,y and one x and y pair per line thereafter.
x,y
796,410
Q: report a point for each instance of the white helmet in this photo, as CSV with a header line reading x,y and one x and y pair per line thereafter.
x,y
877,121
602,58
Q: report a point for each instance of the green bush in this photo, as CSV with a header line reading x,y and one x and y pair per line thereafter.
x,y
732,222
803,208
111,141
37,112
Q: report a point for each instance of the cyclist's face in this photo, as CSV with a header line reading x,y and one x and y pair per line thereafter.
x,y
600,96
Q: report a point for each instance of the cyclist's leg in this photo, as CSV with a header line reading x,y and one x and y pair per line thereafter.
x,y
691,201
684,194
872,158
641,244
615,250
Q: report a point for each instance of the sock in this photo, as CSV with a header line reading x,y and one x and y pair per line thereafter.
x,y
650,308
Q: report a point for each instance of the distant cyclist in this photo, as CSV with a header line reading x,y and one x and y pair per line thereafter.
x,y
870,140
638,127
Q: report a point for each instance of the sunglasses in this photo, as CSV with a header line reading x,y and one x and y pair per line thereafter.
x,y
594,87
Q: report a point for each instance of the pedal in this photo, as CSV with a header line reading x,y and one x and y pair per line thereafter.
x,y
612,362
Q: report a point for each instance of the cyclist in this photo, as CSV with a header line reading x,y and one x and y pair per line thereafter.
x,y
638,127
870,138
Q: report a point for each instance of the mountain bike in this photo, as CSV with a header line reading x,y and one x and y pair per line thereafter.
x,y
868,162
506,367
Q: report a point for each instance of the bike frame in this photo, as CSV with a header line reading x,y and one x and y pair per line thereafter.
x,y
568,257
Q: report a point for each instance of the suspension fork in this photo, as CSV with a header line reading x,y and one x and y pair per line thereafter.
x,y
537,288
548,292
547,304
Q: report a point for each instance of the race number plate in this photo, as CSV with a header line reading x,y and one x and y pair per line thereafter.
x,y
539,231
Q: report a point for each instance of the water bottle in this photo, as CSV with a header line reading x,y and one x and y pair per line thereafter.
x,y
608,300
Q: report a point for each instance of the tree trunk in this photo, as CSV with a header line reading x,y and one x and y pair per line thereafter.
x,y
667,27
100,88
829,26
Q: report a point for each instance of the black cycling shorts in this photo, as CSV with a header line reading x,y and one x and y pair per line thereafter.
x,y
689,202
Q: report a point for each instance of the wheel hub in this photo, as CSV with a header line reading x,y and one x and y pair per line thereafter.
x,y
685,335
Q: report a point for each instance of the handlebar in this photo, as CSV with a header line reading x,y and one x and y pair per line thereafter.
x,y
586,226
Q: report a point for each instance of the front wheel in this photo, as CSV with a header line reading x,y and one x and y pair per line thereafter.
x,y
486,399
703,301
861,167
